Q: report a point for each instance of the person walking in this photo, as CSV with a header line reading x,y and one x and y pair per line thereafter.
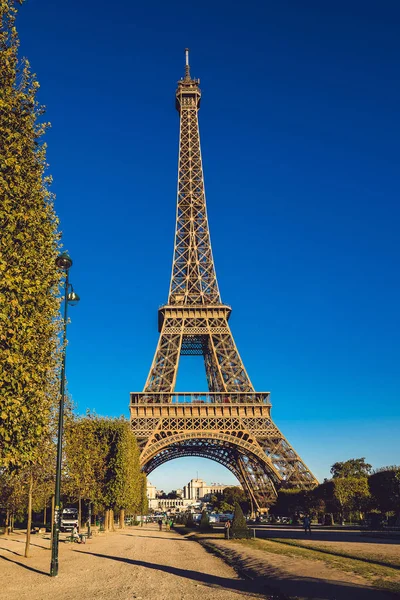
x,y
227,529
160,524
307,524
75,534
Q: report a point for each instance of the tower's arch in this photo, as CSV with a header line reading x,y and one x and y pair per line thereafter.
x,y
255,473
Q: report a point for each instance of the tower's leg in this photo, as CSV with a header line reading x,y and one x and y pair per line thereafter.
x,y
163,371
224,367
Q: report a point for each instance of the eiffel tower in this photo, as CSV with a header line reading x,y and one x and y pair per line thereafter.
x,y
230,423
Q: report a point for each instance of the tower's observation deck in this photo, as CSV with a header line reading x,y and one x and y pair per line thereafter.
x,y
200,399
188,93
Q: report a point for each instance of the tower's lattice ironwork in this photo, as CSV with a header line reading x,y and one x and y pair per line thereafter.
x,y
231,423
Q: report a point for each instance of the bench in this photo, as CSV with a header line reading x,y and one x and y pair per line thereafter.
x,y
81,539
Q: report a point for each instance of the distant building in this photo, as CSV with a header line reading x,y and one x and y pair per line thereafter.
x,y
190,497
151,491
197,489
168,505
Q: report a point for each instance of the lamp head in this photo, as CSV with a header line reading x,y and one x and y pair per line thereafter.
x,y
64,261
73,298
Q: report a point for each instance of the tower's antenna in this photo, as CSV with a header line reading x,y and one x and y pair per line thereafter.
x,y
187,67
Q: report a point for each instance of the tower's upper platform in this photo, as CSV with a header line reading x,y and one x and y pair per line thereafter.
x,y
188,93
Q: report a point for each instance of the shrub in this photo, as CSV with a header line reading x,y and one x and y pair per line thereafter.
x,y
190,522
205,521
239,527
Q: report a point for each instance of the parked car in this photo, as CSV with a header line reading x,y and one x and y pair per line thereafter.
x,y
213,518
224,517
69,519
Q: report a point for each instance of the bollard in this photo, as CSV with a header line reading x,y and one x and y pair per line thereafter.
x,y
254,534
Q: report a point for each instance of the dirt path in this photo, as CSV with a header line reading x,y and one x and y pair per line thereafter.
x,y
136,563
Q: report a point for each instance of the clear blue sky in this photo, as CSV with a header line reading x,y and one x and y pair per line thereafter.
x,y
300,136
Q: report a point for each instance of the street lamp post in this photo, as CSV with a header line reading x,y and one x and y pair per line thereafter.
x,y
63,262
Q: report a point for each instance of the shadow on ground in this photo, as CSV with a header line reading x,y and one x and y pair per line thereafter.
x,y
31,544
157,537
298,586
236,585
274,585
16,562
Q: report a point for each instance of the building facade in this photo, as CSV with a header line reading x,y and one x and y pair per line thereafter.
x,y
151,491
197,489
170,505
190,496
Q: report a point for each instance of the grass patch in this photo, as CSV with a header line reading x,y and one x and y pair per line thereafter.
x,y
382,577
375,559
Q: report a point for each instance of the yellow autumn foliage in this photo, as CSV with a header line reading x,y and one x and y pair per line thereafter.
x,y
29,244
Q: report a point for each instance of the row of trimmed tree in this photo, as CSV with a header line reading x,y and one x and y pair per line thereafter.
x,y
100,466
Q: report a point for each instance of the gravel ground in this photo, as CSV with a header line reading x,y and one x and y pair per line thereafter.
x,y
134,563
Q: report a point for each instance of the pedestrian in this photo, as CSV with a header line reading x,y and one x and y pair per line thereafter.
x,y
160,524
227,529
307,524
75,534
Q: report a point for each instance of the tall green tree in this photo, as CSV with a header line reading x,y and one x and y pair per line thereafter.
x,y
121,485
384,486
29,244
13,498
351,494
226,501
85,459
354,467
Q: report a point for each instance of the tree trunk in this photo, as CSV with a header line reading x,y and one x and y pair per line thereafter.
x,y
12,519
79,513
44,514
7,523
112,527
106,519
122,518
29,524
